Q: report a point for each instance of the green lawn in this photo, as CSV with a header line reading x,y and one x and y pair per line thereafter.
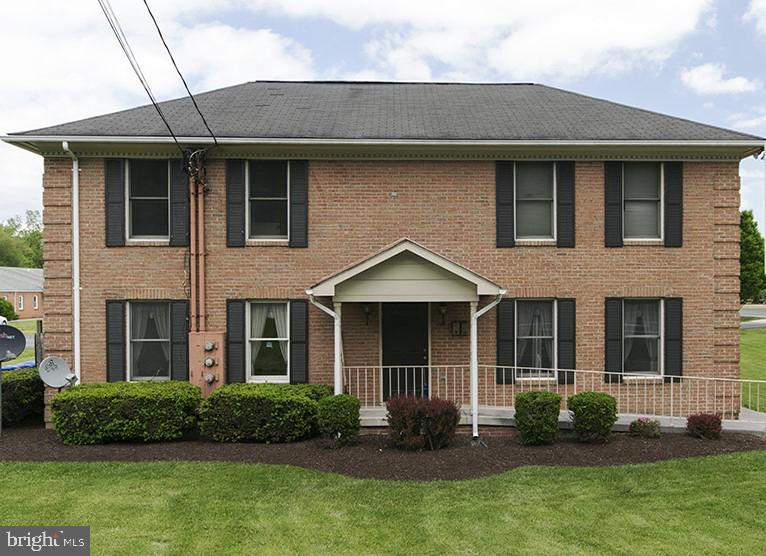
x,y
747,319
700,506
752,345
26,326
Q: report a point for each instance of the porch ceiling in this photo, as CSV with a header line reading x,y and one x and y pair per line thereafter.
x,y
405,271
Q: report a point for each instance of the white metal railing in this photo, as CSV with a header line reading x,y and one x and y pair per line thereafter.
x,y
638,394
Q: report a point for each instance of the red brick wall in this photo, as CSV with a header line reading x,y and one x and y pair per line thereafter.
x,y
447,206
29,311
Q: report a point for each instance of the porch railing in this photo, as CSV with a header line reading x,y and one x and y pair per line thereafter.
x,y
635,393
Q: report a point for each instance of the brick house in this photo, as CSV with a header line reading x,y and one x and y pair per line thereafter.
x,y
453,240
23,288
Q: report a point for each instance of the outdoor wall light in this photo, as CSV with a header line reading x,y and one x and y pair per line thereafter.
x,y
367,311
443,312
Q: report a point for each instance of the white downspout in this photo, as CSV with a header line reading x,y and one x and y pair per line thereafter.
x,y
337,364
475,315
75,258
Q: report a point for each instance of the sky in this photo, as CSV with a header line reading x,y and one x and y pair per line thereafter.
x,y
697,59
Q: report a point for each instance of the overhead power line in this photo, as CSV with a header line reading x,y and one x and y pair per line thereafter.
x,y
172,59
122,39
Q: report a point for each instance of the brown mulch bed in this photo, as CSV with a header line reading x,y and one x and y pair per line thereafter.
x,y
371,457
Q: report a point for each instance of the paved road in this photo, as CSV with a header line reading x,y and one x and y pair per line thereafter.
x,y
753,311
761,323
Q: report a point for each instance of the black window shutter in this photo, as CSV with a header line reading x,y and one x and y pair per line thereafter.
x,y
613,204
179,204
235,203
566,334
179,340
613,339
506,341
299,203
674,317
674,204
114,195
235,340
299,341
505,235
116,343
565,204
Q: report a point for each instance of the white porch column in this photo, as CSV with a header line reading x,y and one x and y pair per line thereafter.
x,y
338,362
474,360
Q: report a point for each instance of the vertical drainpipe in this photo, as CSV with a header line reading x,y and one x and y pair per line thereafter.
x,y
337,362
75,258
475,315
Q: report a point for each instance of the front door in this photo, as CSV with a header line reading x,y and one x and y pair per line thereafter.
x,y
405,349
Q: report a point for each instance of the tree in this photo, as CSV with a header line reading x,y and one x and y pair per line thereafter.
x,y
21,244
6,310
752,280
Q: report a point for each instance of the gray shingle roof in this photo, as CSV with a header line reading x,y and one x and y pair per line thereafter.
x,y
21,279
398,111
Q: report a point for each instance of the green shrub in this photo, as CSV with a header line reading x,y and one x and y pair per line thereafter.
x,y
593,415
314,391
537,417
259,413
417,423
645,428
125,412
7,311
22,397
704,425
338,418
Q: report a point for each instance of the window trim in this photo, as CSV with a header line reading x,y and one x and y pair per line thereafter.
x,y
554,216
661,237
552,374
128,208
660,340
20,302
262,379
252,238
35,302
129,342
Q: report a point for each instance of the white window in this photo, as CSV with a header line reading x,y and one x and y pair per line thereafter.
x,y
268,199
535,200
20,303
643,185
642,333
148,196
536,338
35,304
149,340
268,356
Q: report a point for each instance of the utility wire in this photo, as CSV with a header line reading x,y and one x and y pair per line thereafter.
x,y
172,59
122,39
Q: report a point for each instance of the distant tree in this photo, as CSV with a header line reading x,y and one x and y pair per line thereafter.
x,y
6,310
752,280
21,243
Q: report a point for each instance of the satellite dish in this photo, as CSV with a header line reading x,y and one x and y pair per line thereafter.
x,y
54,372
12,342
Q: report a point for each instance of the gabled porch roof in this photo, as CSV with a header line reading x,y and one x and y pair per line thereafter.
x,y
405,271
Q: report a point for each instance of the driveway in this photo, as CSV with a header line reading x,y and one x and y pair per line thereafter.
x,y
758,311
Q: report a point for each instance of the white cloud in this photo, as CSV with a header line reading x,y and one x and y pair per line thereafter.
x,y
709,79
749,121
756,11
524,39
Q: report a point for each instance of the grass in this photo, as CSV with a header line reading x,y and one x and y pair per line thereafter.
x,y
747,319
752,345
709,505
26,326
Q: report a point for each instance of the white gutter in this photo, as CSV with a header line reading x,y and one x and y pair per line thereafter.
x,y
75,257
337,364
475,315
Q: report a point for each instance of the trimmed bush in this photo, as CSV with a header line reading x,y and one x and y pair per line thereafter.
x,y
537,417
593,415
704,425
417,423
125,412
22,397
645,428
314,391
338,419
260,413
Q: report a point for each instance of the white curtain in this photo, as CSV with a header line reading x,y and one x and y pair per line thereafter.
x,y
642,319
161,314
280,319
259,312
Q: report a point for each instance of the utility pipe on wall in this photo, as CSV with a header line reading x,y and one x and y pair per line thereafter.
x,y
475,315
75,258
337,361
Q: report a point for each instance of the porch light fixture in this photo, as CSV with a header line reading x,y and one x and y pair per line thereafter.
x,y
443,312
367,311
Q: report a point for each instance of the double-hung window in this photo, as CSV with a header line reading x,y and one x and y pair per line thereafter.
x,y
535,338
642,336
535,197
642,200
269,342
148,195
20,303
267,199
149,341
35,303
